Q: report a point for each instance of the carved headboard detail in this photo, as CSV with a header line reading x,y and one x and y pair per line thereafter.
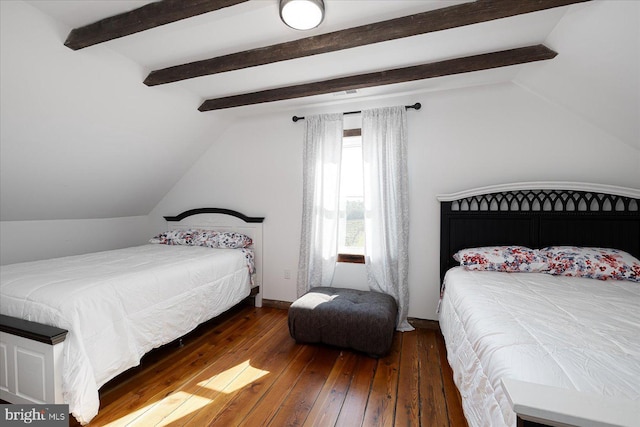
x,y
546,200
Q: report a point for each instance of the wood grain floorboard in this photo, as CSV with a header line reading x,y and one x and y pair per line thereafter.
x,y
433,409
243,369
327,408
408,401
381,403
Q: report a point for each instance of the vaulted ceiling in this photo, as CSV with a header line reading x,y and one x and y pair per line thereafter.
x,y
233,53
89,113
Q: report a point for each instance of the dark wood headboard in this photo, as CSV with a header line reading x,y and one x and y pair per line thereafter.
x,y
539,217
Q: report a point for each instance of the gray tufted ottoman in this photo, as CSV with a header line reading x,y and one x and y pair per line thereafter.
x,y
348,318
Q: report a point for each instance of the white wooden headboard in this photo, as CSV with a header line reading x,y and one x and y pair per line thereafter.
x,y
226,220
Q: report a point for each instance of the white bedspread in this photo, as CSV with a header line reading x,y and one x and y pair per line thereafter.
x,y
574,333
118,305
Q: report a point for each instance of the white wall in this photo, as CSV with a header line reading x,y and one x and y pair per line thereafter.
x,y
34,240
460,139
80,135
597,70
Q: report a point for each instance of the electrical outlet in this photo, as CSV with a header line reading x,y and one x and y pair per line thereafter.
x,y
287,274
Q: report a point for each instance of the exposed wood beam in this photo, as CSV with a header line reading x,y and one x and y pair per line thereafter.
x,y
143,18
421,23
399,75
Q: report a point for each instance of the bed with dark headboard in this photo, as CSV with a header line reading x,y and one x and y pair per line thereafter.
x,y
537,215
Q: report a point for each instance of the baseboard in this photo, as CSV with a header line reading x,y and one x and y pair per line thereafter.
x,y
424,323
272,303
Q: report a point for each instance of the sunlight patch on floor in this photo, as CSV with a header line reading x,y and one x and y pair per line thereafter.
x,y
185,403
244,374
136,418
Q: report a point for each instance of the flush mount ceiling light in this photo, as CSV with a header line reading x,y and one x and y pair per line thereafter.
x,y
302,14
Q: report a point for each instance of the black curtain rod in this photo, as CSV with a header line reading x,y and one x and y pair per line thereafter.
x,y
415,106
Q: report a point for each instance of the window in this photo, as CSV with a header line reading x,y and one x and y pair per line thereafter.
x,y
351,222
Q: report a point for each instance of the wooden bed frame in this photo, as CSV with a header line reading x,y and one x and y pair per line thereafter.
x,y
31,353
536,215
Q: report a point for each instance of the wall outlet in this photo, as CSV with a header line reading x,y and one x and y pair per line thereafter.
x,y
287,274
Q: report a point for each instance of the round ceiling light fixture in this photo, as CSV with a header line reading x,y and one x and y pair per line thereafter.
x,y
302,14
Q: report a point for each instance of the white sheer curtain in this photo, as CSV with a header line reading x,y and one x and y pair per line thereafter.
x,y
386,201
321,188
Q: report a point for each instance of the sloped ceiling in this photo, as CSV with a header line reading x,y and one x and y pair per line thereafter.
x,y
83,137
597,75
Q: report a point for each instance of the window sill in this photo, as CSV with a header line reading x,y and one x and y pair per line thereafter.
x,y
351,258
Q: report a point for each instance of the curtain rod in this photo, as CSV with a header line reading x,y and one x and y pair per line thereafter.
x,y
415,106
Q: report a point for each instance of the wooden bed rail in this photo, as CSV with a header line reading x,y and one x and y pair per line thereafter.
x,y
31,330
31,354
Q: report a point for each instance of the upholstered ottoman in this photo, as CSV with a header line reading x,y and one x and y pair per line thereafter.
x,y
348,318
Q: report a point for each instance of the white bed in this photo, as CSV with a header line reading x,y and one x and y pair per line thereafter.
x,y
579,337
567,332
117,305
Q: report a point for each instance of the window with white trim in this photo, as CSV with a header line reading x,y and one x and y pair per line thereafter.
x,y
351,224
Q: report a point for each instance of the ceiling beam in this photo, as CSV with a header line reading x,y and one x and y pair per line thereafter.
x,y
399,75
143,18
407,26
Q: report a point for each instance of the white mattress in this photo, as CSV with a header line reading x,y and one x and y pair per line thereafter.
x,y
573,333
118,305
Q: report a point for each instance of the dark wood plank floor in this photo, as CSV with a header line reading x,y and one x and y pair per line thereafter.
x,y
243,369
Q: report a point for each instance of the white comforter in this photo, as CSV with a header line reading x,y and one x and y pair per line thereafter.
x,y
574,333
118,305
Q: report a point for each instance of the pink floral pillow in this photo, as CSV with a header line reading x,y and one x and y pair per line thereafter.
x,y
593,263
502,258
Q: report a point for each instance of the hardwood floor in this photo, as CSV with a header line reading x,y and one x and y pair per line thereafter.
x,y
244,369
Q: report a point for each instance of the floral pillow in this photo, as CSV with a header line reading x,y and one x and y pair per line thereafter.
x,y
175,237
224,240
208,238
235,240
593,263
502,258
